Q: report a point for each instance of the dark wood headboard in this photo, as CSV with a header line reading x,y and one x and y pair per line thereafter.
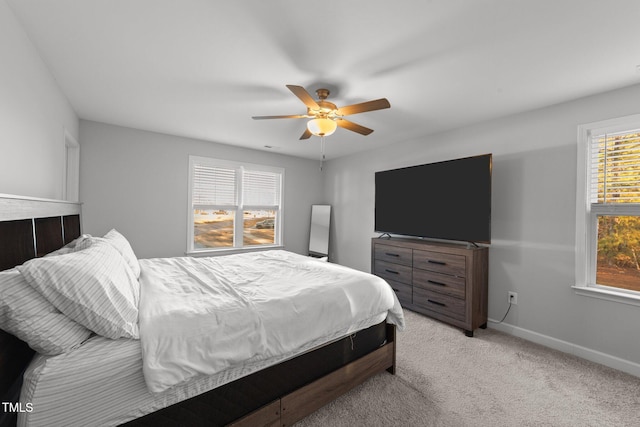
x,y
29,228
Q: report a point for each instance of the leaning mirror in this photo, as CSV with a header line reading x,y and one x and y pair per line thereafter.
x,y
319,233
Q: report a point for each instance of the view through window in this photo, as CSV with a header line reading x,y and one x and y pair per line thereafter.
x,y
213,228
618,262
259,227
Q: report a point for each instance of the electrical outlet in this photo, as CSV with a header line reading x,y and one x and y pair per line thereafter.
x,y
513,298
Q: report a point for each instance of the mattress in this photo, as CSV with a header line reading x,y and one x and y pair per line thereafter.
x,y
101,383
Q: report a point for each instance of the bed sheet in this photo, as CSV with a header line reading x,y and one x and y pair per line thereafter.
x,y
101,383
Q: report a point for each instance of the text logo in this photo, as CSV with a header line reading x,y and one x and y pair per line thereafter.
x,y
17,407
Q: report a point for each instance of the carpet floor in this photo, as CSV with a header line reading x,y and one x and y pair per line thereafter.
x,y
444,378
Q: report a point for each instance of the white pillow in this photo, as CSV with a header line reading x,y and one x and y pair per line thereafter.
x,y
124,247
93,286
121,243
29,316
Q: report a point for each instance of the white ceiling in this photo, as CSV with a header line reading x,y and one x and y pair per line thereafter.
x,y
202,68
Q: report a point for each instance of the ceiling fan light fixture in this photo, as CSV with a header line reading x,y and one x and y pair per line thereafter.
x,y
321,126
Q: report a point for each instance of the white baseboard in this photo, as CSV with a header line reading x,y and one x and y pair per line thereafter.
x,y
567,347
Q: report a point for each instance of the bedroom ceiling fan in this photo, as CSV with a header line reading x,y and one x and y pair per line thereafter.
x,y
326,116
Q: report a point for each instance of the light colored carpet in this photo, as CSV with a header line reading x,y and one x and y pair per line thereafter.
x,y
444,378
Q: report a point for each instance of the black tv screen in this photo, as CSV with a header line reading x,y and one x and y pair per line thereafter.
x,y
448,200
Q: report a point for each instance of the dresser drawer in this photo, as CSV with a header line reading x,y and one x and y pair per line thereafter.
x,y
438,282
453,265
393,254
391,271
403,291
439,303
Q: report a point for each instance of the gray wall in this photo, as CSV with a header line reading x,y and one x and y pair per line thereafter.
x,y
533,220
137,182
34,114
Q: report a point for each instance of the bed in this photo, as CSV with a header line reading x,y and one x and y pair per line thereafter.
x,y
266,389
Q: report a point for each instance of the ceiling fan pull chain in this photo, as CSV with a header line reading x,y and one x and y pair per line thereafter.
x,y
322,152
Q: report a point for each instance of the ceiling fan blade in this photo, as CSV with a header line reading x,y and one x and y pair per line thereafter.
x,y
306,135
296,116
346,124
304,96
377,104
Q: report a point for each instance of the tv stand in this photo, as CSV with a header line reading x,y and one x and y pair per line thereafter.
x,y
446,281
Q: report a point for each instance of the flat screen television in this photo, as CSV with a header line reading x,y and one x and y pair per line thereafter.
x,y
448,200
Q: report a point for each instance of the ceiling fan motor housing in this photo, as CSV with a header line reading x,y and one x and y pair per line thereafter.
x,y
327,109
322,93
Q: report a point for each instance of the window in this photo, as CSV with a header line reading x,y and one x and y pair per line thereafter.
x,y
608,209
233,205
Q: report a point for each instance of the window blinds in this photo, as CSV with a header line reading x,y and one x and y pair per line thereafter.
x,y
213,187
260,188
217,187
615,168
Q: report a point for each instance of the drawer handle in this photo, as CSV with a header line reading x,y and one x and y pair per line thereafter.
x,y
436,262
390,254
437,283
436,303
391,271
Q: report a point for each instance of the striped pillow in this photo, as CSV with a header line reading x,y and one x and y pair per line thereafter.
x,y
124,247
27,315
119,242
93,286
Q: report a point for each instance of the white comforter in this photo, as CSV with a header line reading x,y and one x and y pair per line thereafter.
x,y
199,316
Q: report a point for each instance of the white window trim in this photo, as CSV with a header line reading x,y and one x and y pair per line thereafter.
x,y
238,227
586,241
71,172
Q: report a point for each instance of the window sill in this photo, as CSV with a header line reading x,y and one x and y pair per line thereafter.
x,y
230,251
607,294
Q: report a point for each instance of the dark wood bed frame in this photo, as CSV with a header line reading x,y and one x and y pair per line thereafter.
x,y
276,396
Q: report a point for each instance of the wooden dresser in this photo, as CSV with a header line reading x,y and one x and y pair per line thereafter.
x,y
442,280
